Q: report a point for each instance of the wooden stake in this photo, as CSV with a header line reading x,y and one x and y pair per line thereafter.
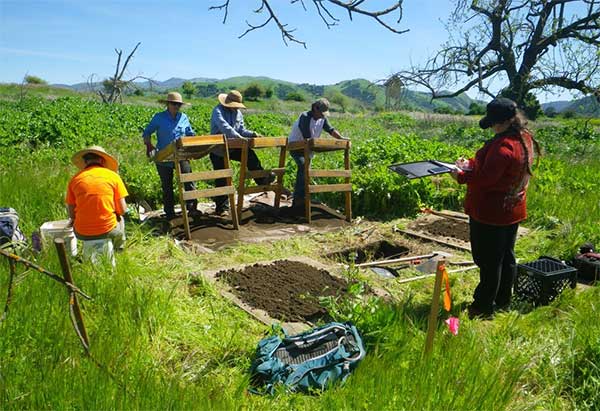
x,y
396,260
307,181
12,275
280,176
435,306
242,183
347,194
73,302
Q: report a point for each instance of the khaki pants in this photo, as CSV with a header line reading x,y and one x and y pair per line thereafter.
x,y
117,235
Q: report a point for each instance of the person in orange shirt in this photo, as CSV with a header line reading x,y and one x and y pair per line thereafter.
x,y
96,197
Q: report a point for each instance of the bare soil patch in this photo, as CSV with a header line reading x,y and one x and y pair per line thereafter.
x,y
286,290
447,227
259,222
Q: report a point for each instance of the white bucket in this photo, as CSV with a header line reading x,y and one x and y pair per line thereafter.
x,y
58,229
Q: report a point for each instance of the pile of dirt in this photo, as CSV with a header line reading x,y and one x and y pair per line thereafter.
x,y
446,227
286,290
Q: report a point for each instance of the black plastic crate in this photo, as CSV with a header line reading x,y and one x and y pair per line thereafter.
x,y
542,280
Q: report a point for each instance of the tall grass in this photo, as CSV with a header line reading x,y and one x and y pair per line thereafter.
x,y
164,338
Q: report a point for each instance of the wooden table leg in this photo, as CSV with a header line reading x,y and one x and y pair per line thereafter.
x,y
307,203
279,188
348,194
242,183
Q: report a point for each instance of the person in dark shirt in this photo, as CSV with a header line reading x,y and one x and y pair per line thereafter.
x,y
310,124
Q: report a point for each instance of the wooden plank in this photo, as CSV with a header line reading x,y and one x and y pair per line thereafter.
x,y
279,180
184,213
331,173
263,173
329,188
205,140
206,175
208,192
194,152
307,159
237,142
242,179
327,144
347,195
228,181
296,145
263,142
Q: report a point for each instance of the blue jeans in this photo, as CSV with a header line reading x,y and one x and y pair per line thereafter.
x,y
299,193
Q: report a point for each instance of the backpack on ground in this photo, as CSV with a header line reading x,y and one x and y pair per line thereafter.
x,y
307,362
9,226
587,263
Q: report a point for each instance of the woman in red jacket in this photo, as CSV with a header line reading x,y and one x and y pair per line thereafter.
x,y
497,180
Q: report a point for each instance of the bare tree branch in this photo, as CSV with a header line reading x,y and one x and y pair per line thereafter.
x,y
516,46
323,10
113,87
224,7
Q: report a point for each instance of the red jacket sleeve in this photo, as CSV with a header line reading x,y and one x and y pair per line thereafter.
x,y
490,168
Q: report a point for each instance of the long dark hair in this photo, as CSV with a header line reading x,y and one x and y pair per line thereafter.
x,y
519,124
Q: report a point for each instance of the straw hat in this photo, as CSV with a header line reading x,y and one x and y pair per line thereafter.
x,y
173,97
233,99
109,161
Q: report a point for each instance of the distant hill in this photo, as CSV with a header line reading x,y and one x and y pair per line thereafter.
x,y
586,106
361,92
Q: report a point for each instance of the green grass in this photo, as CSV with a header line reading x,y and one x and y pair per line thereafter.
x,y
166,339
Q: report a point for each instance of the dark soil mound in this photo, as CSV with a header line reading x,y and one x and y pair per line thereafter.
x,y
287,290
448,228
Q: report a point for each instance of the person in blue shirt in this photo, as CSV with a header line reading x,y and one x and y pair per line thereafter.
x,y
227,119
170,125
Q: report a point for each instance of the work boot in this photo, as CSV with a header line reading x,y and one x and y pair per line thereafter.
x,y
475,313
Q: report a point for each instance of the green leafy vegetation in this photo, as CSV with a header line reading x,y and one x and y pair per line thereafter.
x,y
166,339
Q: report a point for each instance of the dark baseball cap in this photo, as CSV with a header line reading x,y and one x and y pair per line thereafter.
x,y
497,111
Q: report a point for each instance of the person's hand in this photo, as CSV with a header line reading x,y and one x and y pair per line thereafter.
x,y
463,164
69,223
454,174
149,149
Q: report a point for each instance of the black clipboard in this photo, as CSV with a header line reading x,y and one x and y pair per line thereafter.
x,y
419,169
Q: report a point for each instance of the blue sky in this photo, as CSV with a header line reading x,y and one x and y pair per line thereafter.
x,y
65,41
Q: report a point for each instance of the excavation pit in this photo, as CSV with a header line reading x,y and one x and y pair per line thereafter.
x,y
380,250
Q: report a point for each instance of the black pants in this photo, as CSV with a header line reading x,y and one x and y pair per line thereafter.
x,y
218,163
493,252
165,172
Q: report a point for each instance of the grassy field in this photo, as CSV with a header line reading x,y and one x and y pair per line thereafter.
x,y
160,340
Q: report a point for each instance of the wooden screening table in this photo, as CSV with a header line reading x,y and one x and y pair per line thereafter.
x,y
195,147
245,174
321,145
